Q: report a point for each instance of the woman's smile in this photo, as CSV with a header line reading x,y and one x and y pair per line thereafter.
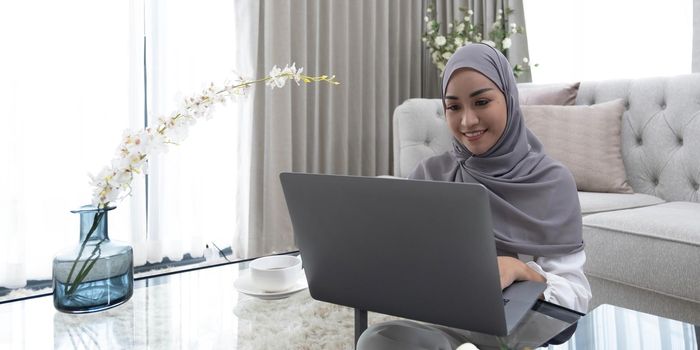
x,y
473,136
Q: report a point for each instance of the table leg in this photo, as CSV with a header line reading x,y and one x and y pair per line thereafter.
x,y
360,323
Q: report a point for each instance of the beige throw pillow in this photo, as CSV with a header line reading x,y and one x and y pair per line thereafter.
x,y
586,139
551,94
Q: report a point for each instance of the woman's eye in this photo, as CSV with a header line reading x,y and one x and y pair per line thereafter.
x,y
482,102
453,108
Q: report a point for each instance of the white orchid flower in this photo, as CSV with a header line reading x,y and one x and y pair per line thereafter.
x,y
278,80
114,182
296,73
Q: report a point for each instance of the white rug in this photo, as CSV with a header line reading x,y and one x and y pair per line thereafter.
x,y
297,322
300,322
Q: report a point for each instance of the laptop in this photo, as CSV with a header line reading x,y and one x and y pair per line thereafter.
x,y
422,250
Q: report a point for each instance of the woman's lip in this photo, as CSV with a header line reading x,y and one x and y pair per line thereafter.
x,y
475,137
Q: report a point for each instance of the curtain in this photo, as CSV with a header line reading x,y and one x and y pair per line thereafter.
x,y
374,49
192,187
72,87
74,79
485,12
67,95
696,37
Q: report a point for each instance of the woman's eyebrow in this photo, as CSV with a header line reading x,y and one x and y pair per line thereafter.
x,y
480,91
475,93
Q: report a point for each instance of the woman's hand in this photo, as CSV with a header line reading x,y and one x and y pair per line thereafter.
x,y
511,270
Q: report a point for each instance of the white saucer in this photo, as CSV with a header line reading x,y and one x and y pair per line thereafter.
x,y
244,284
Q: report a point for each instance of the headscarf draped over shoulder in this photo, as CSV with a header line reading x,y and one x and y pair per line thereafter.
x,y
534,202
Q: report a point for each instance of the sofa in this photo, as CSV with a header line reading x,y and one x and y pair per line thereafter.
x,y
643,249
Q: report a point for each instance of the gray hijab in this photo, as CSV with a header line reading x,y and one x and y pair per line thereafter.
x,y
534,203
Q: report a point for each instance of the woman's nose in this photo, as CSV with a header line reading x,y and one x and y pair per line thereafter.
x,y
469,118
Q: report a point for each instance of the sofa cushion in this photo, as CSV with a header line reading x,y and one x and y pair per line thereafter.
x,y
656,248
660,132
586,139
548,94
596,202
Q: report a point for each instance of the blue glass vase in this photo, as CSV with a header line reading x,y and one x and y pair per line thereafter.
x,y
96,274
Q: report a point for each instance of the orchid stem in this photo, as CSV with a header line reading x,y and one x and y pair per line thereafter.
x,y
71,287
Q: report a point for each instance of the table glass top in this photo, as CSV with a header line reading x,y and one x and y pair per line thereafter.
x,y
202,309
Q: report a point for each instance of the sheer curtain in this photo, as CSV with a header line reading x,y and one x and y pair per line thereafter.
x,y
193,187
66,98
73,80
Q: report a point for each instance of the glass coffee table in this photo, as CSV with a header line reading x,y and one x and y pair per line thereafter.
x,y
202,309
612,327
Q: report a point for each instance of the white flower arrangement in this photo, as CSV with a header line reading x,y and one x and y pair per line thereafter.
x,y
113,182
465,31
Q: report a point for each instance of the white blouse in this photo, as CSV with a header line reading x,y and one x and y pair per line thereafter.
x,y
566,284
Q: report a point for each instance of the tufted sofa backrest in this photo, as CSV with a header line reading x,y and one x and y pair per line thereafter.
x,y
660,132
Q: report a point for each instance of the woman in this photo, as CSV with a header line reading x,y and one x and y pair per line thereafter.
x,y
533,197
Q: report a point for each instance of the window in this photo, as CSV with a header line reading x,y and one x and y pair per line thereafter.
x,y
598,39
66,82
76,74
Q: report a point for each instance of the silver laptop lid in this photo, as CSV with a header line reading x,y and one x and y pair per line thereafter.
x,y
422,250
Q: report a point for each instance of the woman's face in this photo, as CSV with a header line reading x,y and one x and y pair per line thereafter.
x,y
476,110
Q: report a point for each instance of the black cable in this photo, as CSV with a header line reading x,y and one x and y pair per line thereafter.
x,y
220,251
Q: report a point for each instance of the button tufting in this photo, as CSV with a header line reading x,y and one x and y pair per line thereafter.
x,y
680,141
639,140
662,105
695,185
655,181
627,104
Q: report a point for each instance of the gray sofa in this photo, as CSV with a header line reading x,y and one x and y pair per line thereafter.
x,y
643,249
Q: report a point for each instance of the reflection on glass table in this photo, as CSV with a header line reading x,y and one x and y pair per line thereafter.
x,y
203,309
612,327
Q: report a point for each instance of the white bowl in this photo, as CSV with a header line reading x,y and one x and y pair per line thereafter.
x,y
275,273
